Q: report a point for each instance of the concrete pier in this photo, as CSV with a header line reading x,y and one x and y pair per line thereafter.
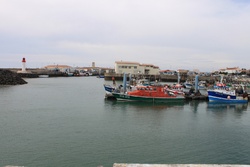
x,y
178,165
163,78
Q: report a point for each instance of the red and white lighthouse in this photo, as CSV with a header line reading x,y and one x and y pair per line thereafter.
x,y
24,65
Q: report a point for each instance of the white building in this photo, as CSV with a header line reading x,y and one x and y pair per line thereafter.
x,y
135,68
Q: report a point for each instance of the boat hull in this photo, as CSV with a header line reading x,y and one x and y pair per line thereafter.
x,y
126,97
225,98
220,95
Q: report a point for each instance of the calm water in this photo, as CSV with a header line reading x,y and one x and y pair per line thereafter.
x,y
67,122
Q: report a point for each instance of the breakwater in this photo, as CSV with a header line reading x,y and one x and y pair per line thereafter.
x,y
8,77
36,72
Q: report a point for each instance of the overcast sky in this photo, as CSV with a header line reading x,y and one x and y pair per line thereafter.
x,y
172,34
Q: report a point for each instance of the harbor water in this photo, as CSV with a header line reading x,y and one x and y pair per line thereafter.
x,y
66,122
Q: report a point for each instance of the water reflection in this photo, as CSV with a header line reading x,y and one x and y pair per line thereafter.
x,y
146,116
145,105
196,105
220,107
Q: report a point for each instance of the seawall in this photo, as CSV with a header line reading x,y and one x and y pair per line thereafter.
x,y
35,72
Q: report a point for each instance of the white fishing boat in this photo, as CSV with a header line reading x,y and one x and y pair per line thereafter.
x,y
43,76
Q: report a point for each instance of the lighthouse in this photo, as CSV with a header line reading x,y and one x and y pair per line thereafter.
x,y
24,65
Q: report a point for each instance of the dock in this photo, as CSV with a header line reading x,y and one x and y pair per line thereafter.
x,y
161,77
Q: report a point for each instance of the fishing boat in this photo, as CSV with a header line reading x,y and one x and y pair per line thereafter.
x,y
100,76
175,88
153,93
222,93
109,88
43,76
190,85
70,74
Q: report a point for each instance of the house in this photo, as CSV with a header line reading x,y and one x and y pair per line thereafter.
x,y
61,68
233,70
135,68
191,73
150,69
168,72
183,72
222,71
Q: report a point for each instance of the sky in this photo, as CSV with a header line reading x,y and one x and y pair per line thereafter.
x,y
173,34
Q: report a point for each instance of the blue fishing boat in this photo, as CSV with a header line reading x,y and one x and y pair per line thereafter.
x,y
100,76
222,93
108,88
